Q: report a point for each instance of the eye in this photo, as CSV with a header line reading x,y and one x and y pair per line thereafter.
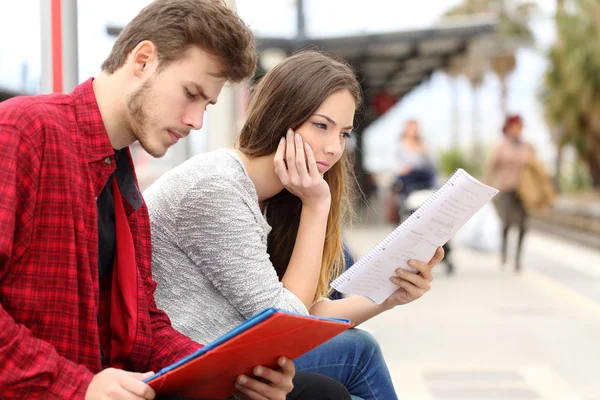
x,y
190,95
346,135
320,125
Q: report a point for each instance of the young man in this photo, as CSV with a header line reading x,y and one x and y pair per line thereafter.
x,y
76,292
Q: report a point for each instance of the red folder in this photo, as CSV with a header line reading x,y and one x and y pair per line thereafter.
x,y
211,371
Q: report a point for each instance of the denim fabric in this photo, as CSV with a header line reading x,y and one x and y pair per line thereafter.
x,y
354,358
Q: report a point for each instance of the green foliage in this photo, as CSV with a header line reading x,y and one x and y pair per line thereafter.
x,y
571,94
576,178
454,158
515,28
511,25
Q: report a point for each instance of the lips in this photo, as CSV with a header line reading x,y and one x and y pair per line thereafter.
x,y
175,136
322,165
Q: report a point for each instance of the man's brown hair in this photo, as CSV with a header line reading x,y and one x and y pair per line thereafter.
x,y
176,25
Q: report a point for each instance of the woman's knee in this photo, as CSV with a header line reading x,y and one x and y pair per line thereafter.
x,y
353,348
364,343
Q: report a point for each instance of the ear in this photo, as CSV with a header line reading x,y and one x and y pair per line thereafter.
x,y
145,58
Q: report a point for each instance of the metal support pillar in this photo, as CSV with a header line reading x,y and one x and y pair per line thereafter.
x,y
60,62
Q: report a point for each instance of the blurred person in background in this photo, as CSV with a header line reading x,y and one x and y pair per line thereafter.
x,y
413,167
504,172
416,179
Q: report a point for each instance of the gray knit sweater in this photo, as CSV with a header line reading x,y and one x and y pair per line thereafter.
x,y
209,247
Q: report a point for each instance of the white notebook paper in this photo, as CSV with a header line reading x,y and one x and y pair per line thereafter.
x,y
418,237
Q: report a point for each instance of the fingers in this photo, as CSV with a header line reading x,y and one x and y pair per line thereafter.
x,y
141,376
133,383
412,292
437,257
303,181
294,160
311,161
279,162
281,380
277,383
415,284
123,394
424,270
256,390
249,394
290,157
420,282
287,366
300,158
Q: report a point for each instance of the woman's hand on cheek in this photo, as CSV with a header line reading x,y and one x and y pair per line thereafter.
x,y
296,167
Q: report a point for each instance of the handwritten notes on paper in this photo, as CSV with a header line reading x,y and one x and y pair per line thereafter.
x,y
429,227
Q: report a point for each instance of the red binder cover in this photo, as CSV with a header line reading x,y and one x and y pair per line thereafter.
x,y
212,370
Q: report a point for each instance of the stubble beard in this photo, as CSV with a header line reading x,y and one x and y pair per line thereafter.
x,y
137,106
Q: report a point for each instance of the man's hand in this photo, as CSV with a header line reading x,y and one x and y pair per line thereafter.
x,y
413,285
276,385
116,384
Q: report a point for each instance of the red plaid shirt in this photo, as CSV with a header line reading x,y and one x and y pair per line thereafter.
x,y
55,158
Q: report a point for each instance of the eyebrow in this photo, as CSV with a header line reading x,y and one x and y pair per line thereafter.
x,y
202,93
333,122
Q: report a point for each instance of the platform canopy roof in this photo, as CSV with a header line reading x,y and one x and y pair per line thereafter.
x,y
390,62
396,62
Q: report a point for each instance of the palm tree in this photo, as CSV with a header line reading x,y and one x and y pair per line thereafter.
x,y
499,48
571,95
495,52
474,68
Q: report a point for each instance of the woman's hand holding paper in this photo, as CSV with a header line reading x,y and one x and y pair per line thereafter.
x,y
413,285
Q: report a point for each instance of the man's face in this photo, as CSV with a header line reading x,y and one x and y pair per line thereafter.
x,y
171,102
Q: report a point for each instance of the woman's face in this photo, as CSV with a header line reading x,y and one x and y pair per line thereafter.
x,y
411,131
515,129
328,128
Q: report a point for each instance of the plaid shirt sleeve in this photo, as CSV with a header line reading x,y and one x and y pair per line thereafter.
x,y
26,363
168,345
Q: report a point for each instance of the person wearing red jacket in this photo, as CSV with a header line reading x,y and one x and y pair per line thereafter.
x,y
77,306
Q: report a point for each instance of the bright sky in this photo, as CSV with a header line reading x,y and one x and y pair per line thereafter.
x,y
20,44
19,25
336,17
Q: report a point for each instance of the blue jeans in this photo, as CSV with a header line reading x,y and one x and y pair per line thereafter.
x,y
354,358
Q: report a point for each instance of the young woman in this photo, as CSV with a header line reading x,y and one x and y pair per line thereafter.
x,y
507,161
237,231
414,163
414,170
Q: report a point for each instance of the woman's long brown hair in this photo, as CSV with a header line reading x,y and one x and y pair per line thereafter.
x,y
286,97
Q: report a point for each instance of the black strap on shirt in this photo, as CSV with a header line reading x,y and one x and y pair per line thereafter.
x,y
107,240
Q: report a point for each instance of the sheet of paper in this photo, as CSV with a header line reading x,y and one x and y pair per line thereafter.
x,y
429,227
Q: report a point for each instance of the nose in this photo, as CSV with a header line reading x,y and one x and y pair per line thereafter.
x,y
194,118
334,145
